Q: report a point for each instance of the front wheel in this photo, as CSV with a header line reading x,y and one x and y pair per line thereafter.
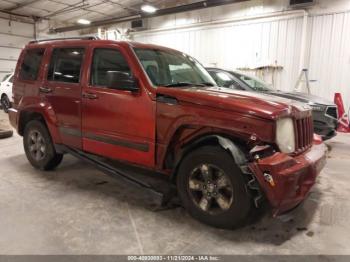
x,y
212,188
38,146
5,103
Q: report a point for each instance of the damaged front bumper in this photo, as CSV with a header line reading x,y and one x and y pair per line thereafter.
x,y
286,180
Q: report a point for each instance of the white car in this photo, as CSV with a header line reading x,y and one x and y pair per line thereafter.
x,y
6,92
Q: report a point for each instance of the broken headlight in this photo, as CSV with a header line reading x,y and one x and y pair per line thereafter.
x,y
285,136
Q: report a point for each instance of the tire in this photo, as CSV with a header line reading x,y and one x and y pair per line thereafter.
x,y
5,103
39,148
5,133
235,211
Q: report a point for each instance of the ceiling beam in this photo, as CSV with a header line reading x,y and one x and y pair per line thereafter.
x,y
72,5
127,8
130,10
21,18
69,8
76,7
160,12
20,5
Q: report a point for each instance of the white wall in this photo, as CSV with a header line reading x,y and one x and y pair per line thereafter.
x,y
13,36
329,55
247,44
240,35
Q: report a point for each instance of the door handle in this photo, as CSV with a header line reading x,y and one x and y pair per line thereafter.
x,y
45,90
90,96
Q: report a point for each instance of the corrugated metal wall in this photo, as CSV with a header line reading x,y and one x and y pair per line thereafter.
x,y
329,55
268,42
13,36
241,45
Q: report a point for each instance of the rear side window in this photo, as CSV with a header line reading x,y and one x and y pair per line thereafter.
x,y
65,65
31,64
105,61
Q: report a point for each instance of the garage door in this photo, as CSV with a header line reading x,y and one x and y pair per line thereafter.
x,y
13,36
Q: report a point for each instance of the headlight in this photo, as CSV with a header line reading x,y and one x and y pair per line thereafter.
x,y
285,136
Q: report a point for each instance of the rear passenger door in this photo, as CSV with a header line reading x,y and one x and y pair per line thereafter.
x,y
63,90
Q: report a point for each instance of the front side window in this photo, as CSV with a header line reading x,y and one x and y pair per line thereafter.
x,y
31,64
65,65
172,69
104,62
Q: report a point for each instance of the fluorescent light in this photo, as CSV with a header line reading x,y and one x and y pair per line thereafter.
x,y
148,9
83,21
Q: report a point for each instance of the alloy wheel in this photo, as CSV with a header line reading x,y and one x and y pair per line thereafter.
x,y
210,189
37,145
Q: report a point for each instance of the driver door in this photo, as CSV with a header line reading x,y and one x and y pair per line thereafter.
x,y
116,123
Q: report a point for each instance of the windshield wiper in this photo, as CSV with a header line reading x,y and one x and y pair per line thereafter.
x,y
207,84
179,84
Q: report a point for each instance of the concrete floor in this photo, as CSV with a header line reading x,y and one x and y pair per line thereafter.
x,y
78,210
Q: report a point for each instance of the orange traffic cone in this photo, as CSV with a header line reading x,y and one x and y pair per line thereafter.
x,y
343,119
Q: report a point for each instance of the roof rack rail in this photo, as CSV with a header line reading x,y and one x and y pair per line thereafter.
x,y
65,38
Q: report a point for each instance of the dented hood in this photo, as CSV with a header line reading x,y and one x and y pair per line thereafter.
x,y
257,104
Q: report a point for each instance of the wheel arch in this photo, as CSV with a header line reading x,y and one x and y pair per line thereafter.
x,y
25,117
230,144
48,118
4,95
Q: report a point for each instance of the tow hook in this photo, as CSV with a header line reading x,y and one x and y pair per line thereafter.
x,y
269,179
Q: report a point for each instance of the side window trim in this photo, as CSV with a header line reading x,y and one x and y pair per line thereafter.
x,y
51,60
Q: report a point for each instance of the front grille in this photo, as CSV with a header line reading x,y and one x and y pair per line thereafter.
x,y
303,134
332,111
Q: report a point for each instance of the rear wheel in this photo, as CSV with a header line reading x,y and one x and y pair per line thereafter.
x,y
39,148
212,188
5,103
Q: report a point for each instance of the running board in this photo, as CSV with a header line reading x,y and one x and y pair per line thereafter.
x,y
162,190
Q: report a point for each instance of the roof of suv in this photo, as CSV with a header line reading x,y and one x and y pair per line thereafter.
x,y
86,41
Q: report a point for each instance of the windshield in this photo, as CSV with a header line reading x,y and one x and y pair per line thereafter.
x,y
5,77
170,69
253,82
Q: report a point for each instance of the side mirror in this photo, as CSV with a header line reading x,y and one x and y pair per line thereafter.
x,y
121,81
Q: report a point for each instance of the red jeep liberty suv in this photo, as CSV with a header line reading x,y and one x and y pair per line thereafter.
x,y
156,108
